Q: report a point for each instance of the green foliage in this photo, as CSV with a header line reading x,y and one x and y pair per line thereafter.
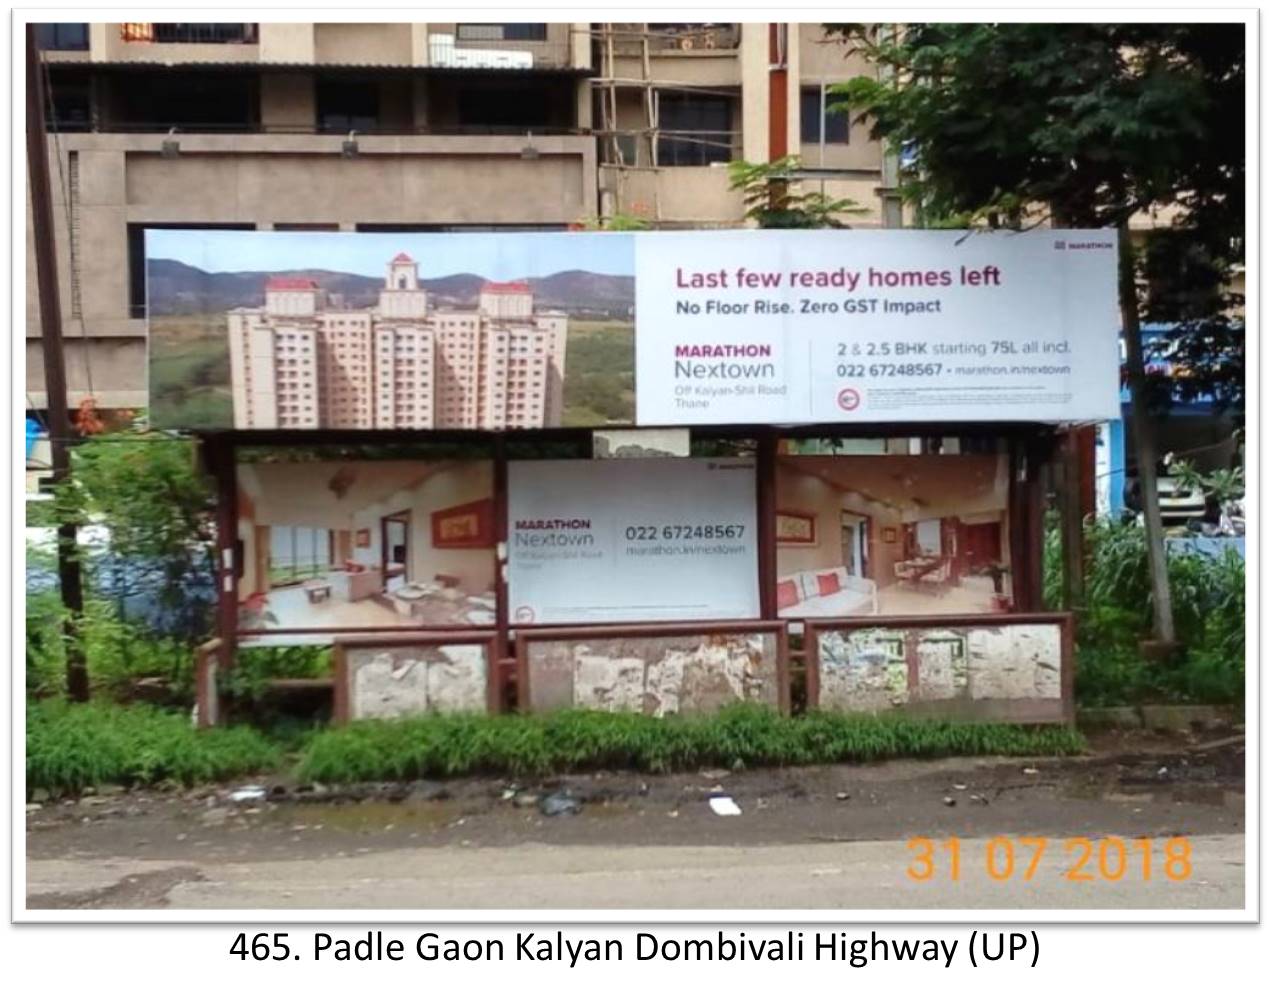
x,y
45,645
1086,125
159,514
117,652
1222,485
614,223
1208,606
438,746
254,667
189,371
773,200
600,388
69,747
1093,121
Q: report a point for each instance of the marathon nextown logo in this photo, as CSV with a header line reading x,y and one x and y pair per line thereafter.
x,y
728,361
553,532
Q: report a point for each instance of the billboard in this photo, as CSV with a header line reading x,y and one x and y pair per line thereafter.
x,y
631,540
513,330
877,326
352,330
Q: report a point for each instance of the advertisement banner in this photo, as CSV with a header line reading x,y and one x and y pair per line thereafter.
x,y
643,540
876,326
330,546
517,330
394,331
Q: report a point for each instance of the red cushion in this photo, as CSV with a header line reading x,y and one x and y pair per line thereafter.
x,y
828,584
786,594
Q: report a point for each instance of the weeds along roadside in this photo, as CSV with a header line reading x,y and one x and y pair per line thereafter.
x,y
70,747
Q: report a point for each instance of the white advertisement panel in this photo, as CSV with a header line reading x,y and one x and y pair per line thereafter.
x,y
876,326
631,540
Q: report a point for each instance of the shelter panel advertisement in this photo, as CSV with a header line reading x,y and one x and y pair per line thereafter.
x,y
339,546
891,534
410,331
632,540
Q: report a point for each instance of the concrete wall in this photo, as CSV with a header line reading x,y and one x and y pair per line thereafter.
x,y
679,196
362,44
287,43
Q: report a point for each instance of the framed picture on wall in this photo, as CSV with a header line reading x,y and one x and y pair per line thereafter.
x,y
464,527
795,528
889,535
363,538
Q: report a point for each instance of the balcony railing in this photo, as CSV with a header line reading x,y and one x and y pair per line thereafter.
x,y
189,34
446,51
693,37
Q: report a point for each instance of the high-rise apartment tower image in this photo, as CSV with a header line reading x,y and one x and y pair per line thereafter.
x,y
304,362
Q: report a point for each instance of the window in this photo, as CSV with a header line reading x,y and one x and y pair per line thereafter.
x,y
178,34
297,553
836,125
502,32
695,130
347,105
62,37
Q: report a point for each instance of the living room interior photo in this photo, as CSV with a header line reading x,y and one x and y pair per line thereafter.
x,y
365,545
892,535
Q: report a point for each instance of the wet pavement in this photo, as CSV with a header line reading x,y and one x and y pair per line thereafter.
x,y
1135,785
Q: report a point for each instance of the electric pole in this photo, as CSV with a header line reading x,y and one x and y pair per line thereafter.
x,y
68,573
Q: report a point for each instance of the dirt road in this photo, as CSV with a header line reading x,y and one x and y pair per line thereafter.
x,y
827,837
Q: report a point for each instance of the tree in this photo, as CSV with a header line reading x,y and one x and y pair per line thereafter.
x,y
1082,125
770,202
158,515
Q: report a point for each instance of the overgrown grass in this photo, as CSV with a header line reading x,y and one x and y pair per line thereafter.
x,y
69,747
748,736
1208,609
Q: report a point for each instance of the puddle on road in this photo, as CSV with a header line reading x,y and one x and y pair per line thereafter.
x,y
372,815
1112,791
357,817
1204,795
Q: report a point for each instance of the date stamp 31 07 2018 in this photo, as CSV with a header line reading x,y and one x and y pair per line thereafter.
x,y
1084,859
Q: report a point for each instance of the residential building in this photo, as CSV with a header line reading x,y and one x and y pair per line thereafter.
x,y
301,362
405,127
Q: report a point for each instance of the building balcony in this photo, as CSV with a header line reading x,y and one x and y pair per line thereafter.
x,y
189,34
448,52
500,46
693,38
